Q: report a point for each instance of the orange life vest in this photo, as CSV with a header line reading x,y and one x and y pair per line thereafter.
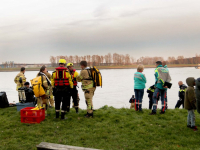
x,y
61,77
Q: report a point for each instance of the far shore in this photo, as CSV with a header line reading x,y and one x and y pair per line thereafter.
x,y
102,67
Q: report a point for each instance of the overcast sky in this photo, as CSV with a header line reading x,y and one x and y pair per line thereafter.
x,y
33,30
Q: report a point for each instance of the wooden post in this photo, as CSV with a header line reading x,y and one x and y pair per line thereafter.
x,y
51,146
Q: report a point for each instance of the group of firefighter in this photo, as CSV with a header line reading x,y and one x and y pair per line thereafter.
x,y
61,86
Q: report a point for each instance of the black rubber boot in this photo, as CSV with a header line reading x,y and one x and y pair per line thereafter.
x,y
152,113
68,109
63,116
57,115
77,110
162,112
88,115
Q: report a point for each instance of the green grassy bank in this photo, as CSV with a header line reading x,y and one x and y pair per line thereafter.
x,y
110,129
102,67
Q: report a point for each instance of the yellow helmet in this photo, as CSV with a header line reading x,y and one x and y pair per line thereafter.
x,y
62,61
70,64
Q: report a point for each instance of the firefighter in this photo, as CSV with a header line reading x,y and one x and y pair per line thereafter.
x,y
74,91
51,100
87,87
20,79
43,101
62,84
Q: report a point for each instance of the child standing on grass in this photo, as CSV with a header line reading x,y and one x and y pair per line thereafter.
x,y
190,103
139,86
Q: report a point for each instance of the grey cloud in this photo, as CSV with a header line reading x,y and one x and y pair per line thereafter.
x,y
90,21
137,12
101,11
124,37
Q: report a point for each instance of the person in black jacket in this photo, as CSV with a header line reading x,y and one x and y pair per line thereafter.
x,y
151,90
29,93
132,101
181,94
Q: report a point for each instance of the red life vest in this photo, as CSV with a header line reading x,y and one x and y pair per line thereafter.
x,y
61,77
74,79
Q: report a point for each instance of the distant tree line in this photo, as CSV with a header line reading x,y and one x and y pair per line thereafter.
x,y
114,60
169,60
120,59
96,60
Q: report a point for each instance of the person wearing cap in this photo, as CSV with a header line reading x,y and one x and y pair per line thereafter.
x,y
62,84
161,75
20,79
87,87
74,91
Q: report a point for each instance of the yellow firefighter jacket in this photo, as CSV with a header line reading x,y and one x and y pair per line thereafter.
x,y
20,78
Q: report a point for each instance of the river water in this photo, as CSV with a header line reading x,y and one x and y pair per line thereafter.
x,y
117,86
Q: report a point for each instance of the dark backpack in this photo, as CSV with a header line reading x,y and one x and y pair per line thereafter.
x,y
3,100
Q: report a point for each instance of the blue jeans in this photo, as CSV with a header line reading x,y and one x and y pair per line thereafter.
x,y
163,98
139,93
166,103
191,118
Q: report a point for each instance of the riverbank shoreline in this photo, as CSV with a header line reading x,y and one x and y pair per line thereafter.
x,y
102,67
109,129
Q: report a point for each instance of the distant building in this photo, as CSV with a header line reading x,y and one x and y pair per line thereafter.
x,y
1,66
196,60
8,64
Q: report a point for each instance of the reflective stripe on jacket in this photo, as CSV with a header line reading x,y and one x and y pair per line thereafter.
x,y
74,75
66,79
139,80
161,75
20,76
86,80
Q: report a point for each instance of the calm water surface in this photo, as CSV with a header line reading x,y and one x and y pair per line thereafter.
x,y
117,86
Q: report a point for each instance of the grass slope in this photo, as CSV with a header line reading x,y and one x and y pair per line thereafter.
x,y
110,129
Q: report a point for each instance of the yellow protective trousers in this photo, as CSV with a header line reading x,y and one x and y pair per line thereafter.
x,y
89,93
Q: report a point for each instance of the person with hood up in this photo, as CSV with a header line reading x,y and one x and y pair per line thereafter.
x,y
190,103
197,91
